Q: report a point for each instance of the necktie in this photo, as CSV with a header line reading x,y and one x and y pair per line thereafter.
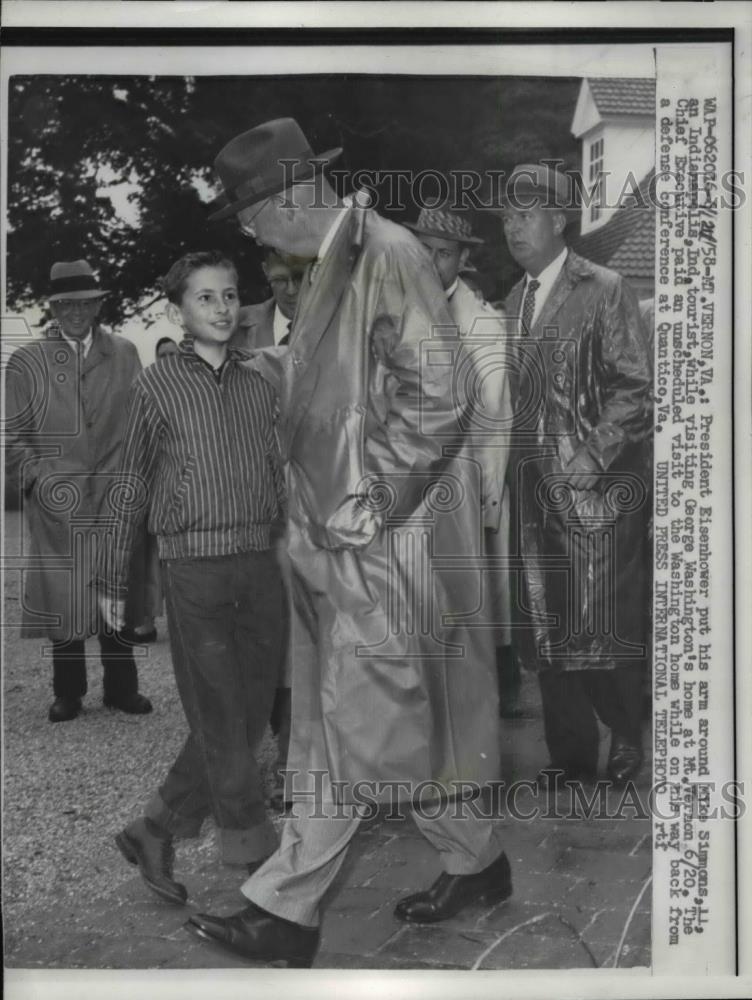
x,y
286,339
528,306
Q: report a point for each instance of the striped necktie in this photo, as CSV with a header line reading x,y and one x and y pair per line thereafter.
x,y
528,306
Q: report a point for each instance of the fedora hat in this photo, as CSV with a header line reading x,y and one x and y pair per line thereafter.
x,y
73,280
251,166
442,221
531,182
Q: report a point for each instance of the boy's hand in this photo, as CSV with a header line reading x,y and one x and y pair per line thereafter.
x,y
113,612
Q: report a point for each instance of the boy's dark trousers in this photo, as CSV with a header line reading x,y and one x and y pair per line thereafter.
x,y
225,620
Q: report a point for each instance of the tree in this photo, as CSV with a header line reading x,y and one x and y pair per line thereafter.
x,y
75,141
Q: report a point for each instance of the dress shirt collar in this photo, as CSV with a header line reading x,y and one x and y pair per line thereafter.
x,y
84,343
449,292
545,280
281,325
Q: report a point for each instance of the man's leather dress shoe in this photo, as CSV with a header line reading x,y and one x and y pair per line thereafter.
x,y
64,709
134,704
451,893
258,936
624,761
154,854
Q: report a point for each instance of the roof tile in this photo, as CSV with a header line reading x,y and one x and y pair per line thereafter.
x,y
626,242
623,95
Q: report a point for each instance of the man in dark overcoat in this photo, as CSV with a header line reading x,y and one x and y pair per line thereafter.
x,y
65,418
580,477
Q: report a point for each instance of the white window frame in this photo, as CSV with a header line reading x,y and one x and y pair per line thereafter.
x,y
596,177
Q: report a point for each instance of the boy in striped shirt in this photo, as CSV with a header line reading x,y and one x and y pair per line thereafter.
x,y
200,455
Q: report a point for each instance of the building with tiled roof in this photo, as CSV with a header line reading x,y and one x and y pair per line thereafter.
x,y
626,242
623,96
614,119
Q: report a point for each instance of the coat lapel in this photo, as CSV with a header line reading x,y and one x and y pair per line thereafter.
x,y
574,270
317,304
262,332
100,351
513,305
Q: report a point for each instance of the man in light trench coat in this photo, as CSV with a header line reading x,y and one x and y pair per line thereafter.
x,y
382,521
65,419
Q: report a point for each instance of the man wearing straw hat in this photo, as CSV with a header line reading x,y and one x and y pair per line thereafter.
x,y
397,693
66,406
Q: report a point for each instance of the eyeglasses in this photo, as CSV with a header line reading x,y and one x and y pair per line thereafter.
x,y
66,306
295,280
246,226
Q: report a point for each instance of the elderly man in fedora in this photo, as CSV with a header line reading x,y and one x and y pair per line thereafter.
x,y
447,235
583,412
397,694
65,403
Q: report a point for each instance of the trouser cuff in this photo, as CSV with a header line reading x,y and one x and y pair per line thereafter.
x,y
241,846
178,826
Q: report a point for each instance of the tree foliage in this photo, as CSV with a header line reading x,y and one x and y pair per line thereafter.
x,y
74,139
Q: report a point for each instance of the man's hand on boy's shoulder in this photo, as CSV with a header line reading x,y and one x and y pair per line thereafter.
x,y
268,362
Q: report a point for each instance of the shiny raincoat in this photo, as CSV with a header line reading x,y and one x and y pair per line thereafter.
x,y
582,392
65,420
392,679
484,332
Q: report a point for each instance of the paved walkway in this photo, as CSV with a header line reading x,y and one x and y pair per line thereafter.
x,y
580,899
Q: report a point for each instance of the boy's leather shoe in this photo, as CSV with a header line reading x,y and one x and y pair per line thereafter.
x,y
133,704
141,845
451,893
258,936
64,709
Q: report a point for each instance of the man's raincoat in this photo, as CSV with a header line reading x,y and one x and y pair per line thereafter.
x,y
582,392
392,677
